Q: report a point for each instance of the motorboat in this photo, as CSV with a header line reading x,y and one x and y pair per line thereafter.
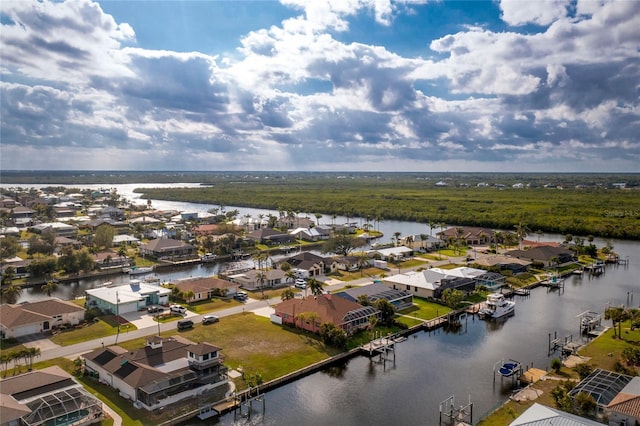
x,y
508,368
137,270
497,306
208,257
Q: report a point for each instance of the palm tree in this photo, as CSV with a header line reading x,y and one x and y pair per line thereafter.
x,y
287,294
312,316
261,279
617,315
291,276
30,354
423,238
11,293
315,286
8,275
49,287
396,236
363,261
521,232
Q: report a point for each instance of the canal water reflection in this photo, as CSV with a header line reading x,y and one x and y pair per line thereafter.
x,y
430,367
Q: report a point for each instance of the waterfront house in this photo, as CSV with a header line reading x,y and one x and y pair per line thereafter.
x,y
346,263
270,237
206,229
548,255
106,260
539,415
415,242
38,317
311,312
125,298
20,266
307,234
432,282
400,299
473,236
603,386
167,249
624,408
503,262
251,280
49,396
163,372
204,288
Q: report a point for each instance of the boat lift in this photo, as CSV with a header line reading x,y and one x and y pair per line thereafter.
x,y
507,368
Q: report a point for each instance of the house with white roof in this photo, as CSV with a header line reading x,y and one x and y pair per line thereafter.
x,y
391,253
307,234
130,297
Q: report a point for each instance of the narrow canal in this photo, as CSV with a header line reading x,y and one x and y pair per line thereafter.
x,y
430,367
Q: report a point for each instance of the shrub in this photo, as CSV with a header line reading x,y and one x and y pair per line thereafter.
x,y
556,364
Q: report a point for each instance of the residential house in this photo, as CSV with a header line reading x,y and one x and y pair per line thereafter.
x,y
311,312
49,396
109,259
392,254
473,236
291,222
60,229
503,262
22,216
603,386
163,372
307,234
346,263
10,231
539,415
204,288
400,299
38,317
624,408
270,237
255,279
20,266
428,283
93,224
144,220
550,256
125,240
168,249
62,242
206,229
113,213
415,242
306,263
126,298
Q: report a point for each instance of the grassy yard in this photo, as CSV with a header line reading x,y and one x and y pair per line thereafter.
x,y
105,326
422,309
257,345
214,304
356,275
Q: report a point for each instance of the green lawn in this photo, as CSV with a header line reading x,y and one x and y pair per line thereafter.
x,y
105,326
214,304
422,309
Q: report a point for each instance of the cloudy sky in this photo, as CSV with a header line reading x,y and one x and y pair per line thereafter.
x,y
334,85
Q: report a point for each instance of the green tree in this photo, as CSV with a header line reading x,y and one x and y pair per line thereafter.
x,y
86,262
287,294
8,275
10,247
68,260
315,286
617,315
452,297
342,244
387,311
103,237
49,287
11,293
364,300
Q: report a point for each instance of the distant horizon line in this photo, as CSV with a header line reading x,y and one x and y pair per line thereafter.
x,y
13,171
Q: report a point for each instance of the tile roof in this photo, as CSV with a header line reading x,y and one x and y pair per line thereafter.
x,y
329,308
625,403
203,284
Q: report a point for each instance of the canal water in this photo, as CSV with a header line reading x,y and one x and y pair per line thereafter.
x,y
428,367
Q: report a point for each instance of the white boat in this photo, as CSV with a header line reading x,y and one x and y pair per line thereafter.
x,y
497,306
208,257
135,270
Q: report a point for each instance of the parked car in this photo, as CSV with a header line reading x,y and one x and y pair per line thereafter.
x,y
155,309
178,309
241,295
184,324
300,283
210,319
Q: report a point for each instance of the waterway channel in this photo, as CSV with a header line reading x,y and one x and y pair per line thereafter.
x,y
428,367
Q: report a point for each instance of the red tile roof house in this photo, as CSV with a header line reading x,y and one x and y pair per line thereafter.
x,y
37,317
342,313
166,248
206,287
163,372
625,407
